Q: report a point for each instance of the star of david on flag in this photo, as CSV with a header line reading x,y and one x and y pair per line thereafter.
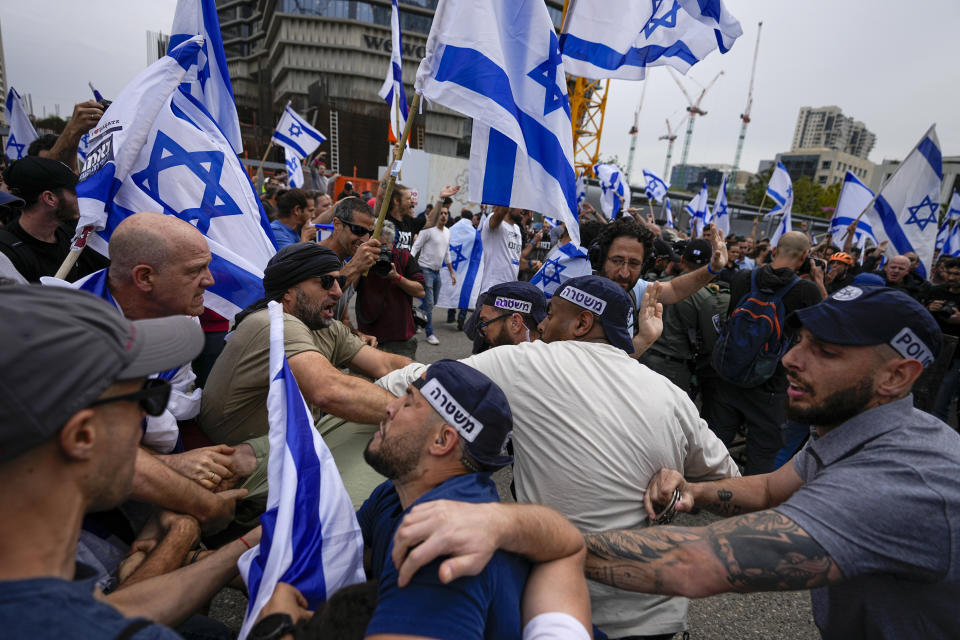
x,y
655,188
951,243
466,258
208,79
907,204
621,38
298,140
497,61
780,190
311,538
22,132
615,192
855,197
562,263
163,151
392,90
721,212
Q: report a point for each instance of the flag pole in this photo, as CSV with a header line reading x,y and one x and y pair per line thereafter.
x,y
74,254
395,167
260,168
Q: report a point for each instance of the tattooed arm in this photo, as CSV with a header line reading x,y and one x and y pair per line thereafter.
x,y
727,497
763,551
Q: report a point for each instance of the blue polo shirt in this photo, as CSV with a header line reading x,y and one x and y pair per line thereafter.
x,y
881,496
473,607
284,234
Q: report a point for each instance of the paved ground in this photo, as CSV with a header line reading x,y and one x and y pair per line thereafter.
x,y
731,616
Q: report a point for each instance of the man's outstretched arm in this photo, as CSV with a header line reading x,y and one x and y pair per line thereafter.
x,y
763,551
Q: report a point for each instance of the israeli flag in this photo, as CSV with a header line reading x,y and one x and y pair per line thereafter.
x,y
22,132
721,213
324,231
951,246
854,198
655,188
209,79
498,61
669,212
699,210
466,256
562,263
780,190
908,203
621,38
294,133
615,190
158,149
581,191
786,224
96,94
392,90
294,168
311,538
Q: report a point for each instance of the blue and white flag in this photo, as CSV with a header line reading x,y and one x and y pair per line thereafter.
x,y
699,210
498,62
785,225
208,80
466,258
908,204
615,192
669,212
21,132
158,149
392,90
324,231
295,134
564,261
655,188
721,213
780,190
96,94
621,38
311,538
294,168
581,192
855,197
951,245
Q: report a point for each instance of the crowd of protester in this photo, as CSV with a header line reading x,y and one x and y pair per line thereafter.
x,y
135,445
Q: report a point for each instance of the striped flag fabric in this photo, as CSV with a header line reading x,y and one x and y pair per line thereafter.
x,y
699,210
466,258
780,190
298,140
311,538
21,132
669,212
721,212
951,245
854,198
615,192
392,90
562,263
655,189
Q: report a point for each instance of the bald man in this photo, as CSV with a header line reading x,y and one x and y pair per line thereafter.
x,y
762,408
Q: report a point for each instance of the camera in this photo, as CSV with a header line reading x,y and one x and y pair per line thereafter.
x,y
384,262
943,313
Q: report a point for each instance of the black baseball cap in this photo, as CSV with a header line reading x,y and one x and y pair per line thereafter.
x,y
662,249
62,348
606,299
518,296
474,405
869,315
32,175
698,251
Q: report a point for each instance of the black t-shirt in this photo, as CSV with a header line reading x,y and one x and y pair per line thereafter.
x,y
803,294
406,230
34,258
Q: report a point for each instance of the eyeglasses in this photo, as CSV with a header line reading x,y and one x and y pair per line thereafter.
x,y
483,325
152,397
356,229
327,281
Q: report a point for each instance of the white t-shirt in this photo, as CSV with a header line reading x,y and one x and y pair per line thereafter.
x,y
554,625
501,252
591,427
434,247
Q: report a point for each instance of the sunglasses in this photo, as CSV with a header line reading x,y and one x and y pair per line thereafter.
x,y
152,397
327,281
356,229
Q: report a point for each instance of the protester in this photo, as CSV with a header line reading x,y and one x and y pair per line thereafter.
x,y
432,251
294,213
63,147
71,450
39,239
385,298
943,301
610,424
898,274
760,405
400,213
502,244
347,192
511,313
840,271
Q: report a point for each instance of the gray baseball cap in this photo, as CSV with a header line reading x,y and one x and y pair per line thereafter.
x,y
61,348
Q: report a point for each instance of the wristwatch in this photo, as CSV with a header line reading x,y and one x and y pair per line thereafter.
x,y
272,627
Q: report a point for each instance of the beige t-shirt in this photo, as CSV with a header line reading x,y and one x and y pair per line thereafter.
x,y
234,406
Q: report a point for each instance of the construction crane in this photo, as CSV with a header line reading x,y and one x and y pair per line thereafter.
x,y
671,137
588,102
745,116
634,130
693,110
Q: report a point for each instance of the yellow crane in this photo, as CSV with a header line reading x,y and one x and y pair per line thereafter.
x,y
588,102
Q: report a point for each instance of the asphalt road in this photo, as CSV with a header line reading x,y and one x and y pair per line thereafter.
x,y
725,617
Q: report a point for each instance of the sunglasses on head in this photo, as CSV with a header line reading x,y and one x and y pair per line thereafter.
x,y
356,229
327,281
152,397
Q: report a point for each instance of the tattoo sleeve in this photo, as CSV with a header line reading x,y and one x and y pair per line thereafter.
x,y
763,551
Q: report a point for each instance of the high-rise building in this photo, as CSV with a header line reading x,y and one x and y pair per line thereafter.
x,y
329,58
828,128
3,82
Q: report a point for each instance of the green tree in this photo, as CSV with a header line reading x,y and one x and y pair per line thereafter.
x,y
828,199
757,187
53,123
805,194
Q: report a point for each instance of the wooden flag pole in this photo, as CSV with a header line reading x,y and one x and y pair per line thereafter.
x,y
260,168
74,253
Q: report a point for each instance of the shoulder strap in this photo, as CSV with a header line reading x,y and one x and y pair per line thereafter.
x,y
133,629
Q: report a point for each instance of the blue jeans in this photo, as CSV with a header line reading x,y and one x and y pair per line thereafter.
x,y
948,389
431,286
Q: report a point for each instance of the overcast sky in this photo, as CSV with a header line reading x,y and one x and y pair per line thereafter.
x,y
891,64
